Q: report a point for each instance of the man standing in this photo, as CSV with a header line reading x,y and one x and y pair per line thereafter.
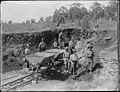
x,y
55,44
60,37
42,46
74,61
27,50
72,44
66,57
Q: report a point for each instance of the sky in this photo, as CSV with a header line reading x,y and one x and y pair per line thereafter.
x,y
19,11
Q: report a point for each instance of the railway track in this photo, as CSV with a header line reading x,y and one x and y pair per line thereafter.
x,y
18,83
21,82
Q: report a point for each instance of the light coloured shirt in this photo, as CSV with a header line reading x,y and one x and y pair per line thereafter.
x,y
79,45
55,44
27,51
74,57
66,55
60,35
71,44
42,44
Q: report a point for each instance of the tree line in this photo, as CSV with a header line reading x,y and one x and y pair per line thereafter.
x,y
77,11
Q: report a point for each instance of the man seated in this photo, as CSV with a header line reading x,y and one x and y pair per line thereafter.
x,y
66,57
42,46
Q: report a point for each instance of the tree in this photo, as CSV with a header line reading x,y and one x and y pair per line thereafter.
x,y
33,20
41,20
56,16
84,11
50,18
74,13
112,9
85,22
75,5
97,10
63,12
10,22
27,21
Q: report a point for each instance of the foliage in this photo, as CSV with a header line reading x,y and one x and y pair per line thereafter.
x,y
10,22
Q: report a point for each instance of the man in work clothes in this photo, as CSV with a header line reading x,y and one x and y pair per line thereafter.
x,y
42,46
55,44
66,57
74,61
72,45
61,37
27,50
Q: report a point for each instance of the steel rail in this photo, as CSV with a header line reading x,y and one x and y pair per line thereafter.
x,y
14,82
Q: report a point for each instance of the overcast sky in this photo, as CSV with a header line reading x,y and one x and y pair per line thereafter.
x,y
19,11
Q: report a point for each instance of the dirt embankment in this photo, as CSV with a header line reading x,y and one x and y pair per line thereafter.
x,y
14,41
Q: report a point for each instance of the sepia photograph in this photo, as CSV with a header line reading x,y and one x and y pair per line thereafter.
x,y
64,45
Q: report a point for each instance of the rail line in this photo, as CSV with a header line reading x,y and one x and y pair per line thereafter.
x,y
13,85
20,82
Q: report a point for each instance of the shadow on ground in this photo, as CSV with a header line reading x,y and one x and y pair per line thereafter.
x,y
57,76
86,76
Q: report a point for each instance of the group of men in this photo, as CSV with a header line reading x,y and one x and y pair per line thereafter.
x,y
77,53
78,58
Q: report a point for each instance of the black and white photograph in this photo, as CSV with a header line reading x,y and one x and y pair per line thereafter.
x,y
64,45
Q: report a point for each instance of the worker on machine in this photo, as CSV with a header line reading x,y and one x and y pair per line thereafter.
x,y
66,57
42,46
73,62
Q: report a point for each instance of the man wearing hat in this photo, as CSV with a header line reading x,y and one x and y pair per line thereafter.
x,y
42,46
